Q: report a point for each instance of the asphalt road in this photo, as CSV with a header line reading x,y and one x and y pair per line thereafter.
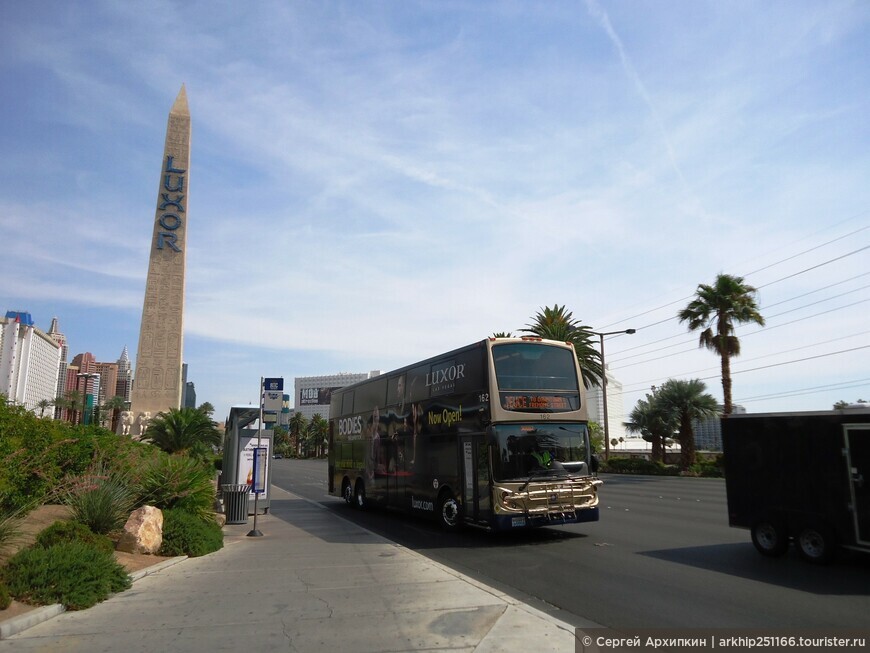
x,y
662,556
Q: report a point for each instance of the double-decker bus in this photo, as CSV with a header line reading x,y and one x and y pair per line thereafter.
x,y
493,434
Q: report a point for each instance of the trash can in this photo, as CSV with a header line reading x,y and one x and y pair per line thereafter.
x,y
236,503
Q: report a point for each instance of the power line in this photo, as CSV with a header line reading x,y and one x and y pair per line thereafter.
x,y
765,329
807,251
843,385
753,369
653,310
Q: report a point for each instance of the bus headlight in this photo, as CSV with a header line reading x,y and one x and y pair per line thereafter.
x,y
507,498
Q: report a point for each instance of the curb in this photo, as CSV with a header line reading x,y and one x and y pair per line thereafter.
x,y
30,619
160,566
35,617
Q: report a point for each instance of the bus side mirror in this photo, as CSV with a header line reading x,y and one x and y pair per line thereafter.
x,y
593,463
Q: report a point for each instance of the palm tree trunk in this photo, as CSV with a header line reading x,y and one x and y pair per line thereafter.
x,y
657,447
687,443
726,383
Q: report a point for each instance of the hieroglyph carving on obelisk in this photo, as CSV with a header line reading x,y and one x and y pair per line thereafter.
x,y
157,382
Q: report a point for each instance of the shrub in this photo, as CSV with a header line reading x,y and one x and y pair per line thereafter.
x,y
708,468
100,501
638,466
177,482
37,454
5,598
187,534
9,528
73,531
72,573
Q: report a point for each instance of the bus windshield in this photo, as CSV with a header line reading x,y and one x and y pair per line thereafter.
x,y
536,378
533,450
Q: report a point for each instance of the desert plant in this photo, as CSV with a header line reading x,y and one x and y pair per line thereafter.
x,y
10,522
177,482
187,534
101,501
72,531
72,573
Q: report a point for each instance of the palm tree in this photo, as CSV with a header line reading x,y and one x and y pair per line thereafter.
x,y
115,404
43,405
206,408
655,421
687,401
74,400
558,324
716,309
183,429
502,334
318,431
298,425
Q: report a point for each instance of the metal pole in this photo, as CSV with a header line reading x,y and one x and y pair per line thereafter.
x,y
604,402
255,532
604,386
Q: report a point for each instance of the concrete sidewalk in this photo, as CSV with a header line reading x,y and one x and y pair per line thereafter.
x,y
314,582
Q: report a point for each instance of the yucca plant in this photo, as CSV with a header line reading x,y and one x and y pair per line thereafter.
x,y
100,500
177,482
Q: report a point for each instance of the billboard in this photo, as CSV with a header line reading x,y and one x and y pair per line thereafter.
x,y
316,396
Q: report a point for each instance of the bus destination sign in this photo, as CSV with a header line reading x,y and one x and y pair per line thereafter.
x,y
536,402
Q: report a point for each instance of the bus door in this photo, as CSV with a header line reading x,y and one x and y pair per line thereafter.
x,y
857,438
474,472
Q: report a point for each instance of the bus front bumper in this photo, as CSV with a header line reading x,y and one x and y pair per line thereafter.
x,y
513,522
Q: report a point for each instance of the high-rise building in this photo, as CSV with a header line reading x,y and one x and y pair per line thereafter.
x,y
29,362
125,376
84,377
313,393
189,395
157,383
108,381
59,338
708,432
615,407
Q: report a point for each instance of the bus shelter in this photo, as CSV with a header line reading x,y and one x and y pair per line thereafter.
x,y
243,435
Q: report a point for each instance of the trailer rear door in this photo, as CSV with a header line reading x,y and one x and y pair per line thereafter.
x,y
857,441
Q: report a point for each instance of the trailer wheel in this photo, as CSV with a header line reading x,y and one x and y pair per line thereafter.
x,y
359,495
449,511
769,538
347,492
815,543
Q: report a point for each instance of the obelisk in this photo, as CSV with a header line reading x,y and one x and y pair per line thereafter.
x,y
157,381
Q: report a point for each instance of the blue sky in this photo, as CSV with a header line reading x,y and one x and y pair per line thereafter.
x,y
373,183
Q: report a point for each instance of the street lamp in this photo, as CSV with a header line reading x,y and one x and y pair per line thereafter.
x,y
604,385
87,376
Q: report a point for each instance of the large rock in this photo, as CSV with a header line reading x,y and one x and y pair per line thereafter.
x,y
143,532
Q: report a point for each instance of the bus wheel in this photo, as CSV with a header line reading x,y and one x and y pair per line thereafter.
x,y
347,492
815,544
769,538
359,496
449,512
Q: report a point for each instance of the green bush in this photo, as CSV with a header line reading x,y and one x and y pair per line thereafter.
x,y
10,523
72,573
73,531
5,598
36,455
187,534
708,468
177,482
100,501
638,466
